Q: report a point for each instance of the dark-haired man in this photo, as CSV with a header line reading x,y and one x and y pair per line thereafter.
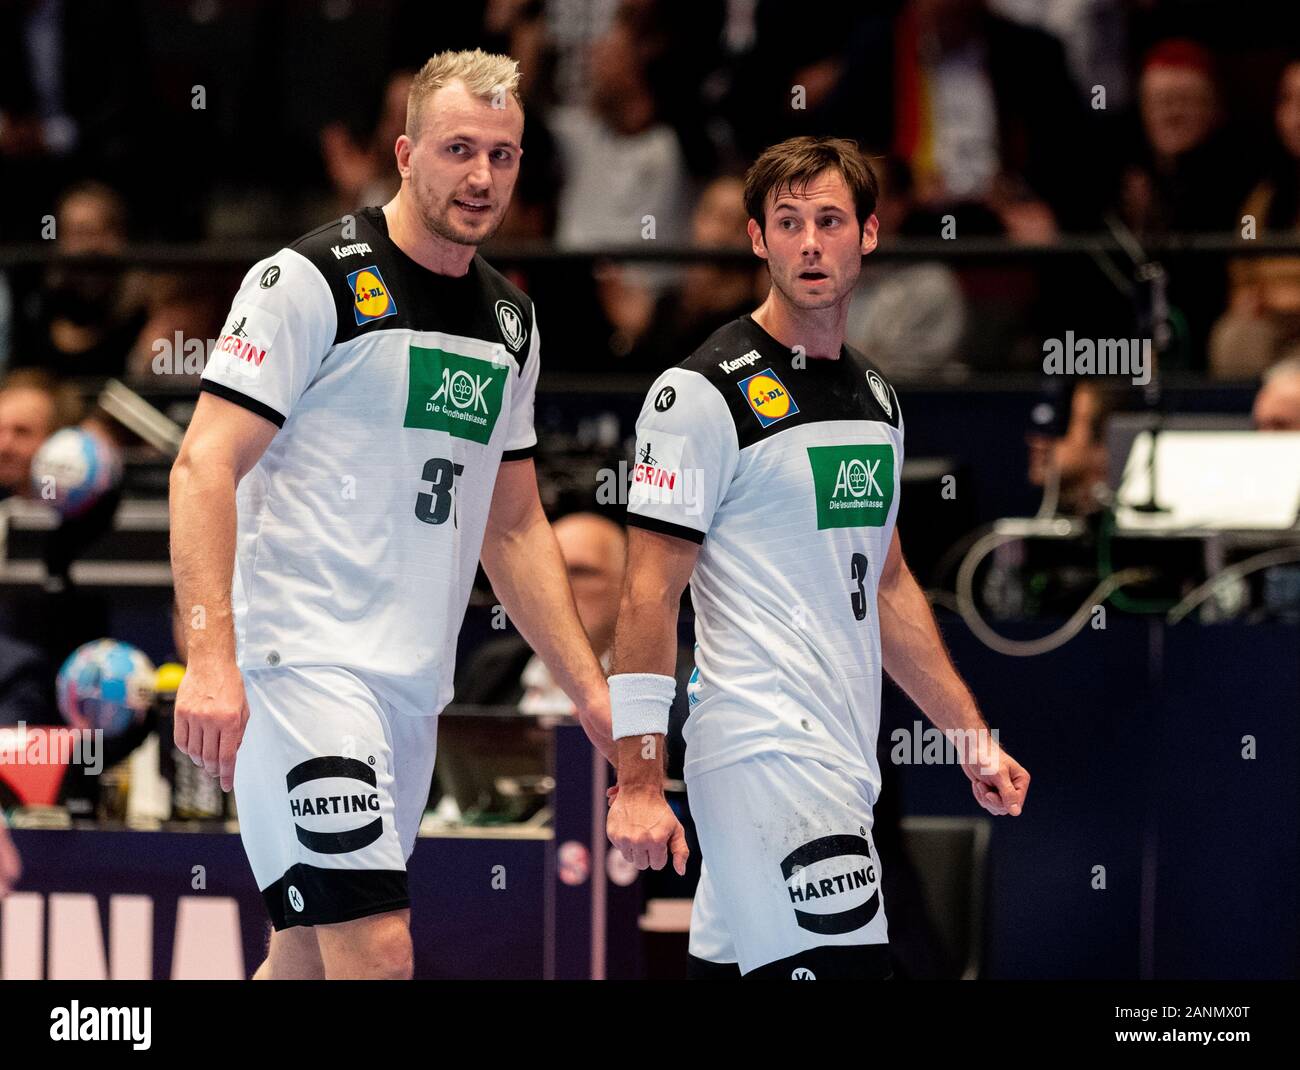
x,y
768,470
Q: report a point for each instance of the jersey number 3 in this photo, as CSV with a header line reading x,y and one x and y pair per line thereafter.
x,y
858,571
440,474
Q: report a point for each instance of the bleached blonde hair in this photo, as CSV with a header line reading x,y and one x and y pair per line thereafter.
x,y
486,75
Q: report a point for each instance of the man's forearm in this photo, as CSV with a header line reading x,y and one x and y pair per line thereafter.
x,y
645,642
202,508
915,657
528,575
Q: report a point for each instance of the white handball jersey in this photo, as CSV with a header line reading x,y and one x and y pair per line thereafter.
x,y
789,478
398,392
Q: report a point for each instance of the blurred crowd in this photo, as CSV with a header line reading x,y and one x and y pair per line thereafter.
x,y
1023,119
237,126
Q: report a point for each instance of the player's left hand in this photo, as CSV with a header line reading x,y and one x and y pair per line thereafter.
x,y
998,782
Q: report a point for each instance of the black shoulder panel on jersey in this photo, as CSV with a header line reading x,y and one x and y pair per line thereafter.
x,y
507,310
378,287
768,392
883,396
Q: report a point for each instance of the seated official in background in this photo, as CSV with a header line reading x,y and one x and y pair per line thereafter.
x,y
33,405
1277,405
505,672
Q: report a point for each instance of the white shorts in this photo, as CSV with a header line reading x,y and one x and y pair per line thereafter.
x,y
331,782
789,864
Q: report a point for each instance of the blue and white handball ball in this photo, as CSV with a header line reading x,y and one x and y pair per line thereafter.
x,y
73,469
106,685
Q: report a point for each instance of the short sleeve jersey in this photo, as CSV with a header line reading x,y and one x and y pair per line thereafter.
x,y
788,474
398,392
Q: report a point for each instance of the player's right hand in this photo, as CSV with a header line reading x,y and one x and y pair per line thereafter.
x,y
644,828
211,712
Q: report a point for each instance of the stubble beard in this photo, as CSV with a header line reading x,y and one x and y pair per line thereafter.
x,y
437,220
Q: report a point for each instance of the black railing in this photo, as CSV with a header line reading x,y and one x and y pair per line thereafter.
x,y
243,253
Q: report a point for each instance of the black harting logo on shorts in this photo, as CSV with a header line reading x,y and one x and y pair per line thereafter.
x,y
328,805
835,879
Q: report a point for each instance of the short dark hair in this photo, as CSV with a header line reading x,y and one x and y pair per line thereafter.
x,y
797,161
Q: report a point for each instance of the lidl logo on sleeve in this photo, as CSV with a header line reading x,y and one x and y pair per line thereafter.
x,y
370,297
454,393
854,485
768,397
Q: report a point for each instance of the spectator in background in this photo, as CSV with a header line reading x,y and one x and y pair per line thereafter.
x,y
910,319
570,29
72,77
620,161
783,52
1263,313
84,320
179,313
1068,458
362,173
1093,34
1187,175
651,337
624,175
531,217
982,110
506,672
1277,405
33,405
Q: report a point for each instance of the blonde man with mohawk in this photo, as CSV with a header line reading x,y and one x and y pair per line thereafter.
x,y
363,435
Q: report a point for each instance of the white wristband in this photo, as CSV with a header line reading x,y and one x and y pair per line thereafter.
x,y
639,703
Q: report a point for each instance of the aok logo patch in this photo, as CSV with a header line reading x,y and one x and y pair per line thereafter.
x,y
833,884
454,393
854,485
768,397
334,804
370,297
